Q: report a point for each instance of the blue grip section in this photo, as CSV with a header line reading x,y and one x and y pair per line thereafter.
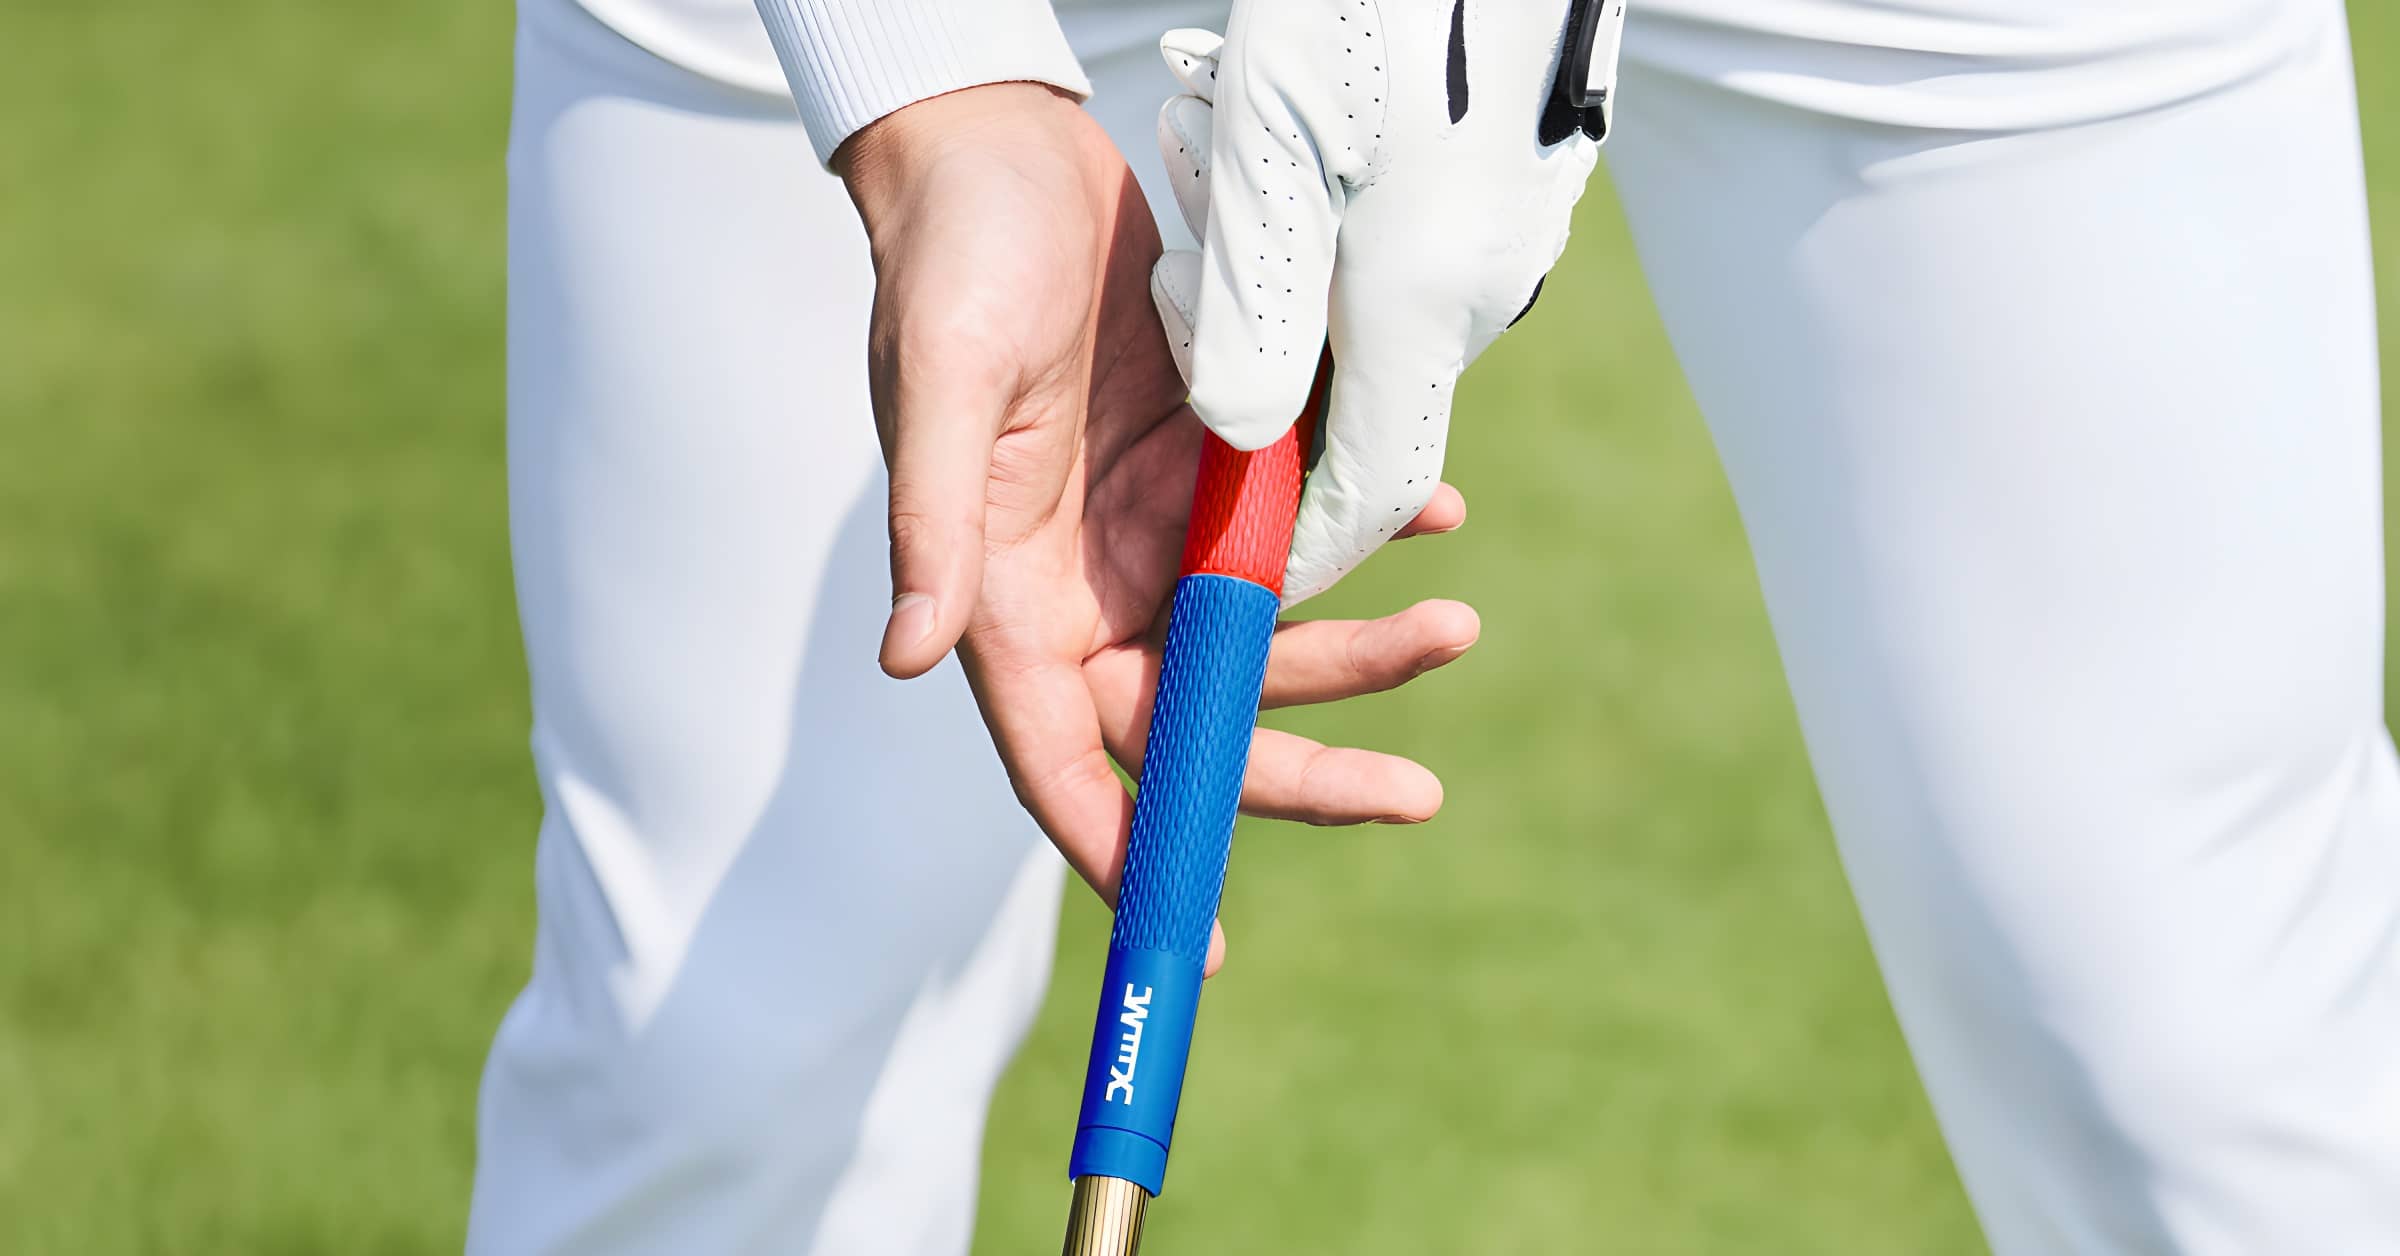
x,y
1215,663
1208,684
1134,1078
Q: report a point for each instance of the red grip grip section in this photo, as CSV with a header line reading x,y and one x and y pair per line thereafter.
x,y
1244,503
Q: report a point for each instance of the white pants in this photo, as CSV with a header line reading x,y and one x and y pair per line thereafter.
x,y
2038,345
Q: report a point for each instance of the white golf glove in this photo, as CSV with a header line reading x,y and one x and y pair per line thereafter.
x,y
1392,178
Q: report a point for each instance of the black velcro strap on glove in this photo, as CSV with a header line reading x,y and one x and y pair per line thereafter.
x,y
1574,104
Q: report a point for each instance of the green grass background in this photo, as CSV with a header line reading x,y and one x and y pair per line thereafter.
x,y
266,812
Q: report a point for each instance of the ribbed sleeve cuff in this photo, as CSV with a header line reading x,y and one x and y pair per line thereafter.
x,y
853,61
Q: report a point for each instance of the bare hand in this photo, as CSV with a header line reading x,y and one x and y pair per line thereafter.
x,y
1042,462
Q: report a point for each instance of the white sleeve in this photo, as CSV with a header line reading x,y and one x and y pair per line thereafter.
x,y
852,61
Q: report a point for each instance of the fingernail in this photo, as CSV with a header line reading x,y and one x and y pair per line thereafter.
x,y
911,621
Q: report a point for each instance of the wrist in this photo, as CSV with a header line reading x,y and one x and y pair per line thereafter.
x,y
850,62
884,161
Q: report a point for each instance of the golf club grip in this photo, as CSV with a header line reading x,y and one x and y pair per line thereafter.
x,y
1219,628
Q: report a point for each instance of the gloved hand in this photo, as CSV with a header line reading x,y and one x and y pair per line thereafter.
x,y
1398,173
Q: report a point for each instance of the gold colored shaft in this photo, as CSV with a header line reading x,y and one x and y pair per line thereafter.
x,y
1107,1217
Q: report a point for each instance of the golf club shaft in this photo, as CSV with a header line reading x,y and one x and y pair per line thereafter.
x,y
1219,628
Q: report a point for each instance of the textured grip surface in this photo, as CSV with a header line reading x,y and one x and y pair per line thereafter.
x,y
1244,503
1208,685
1218,635
1219,630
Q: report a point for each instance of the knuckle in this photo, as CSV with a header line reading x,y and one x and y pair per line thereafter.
x,y
916,535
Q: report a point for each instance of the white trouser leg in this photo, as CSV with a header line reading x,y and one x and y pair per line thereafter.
x,y
2051,411
793,923
790,916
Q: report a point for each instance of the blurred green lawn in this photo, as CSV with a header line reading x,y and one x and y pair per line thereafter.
x,y
266,812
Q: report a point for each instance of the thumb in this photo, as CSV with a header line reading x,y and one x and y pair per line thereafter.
x,y
939,446
1387,423
1274,210
1175,290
